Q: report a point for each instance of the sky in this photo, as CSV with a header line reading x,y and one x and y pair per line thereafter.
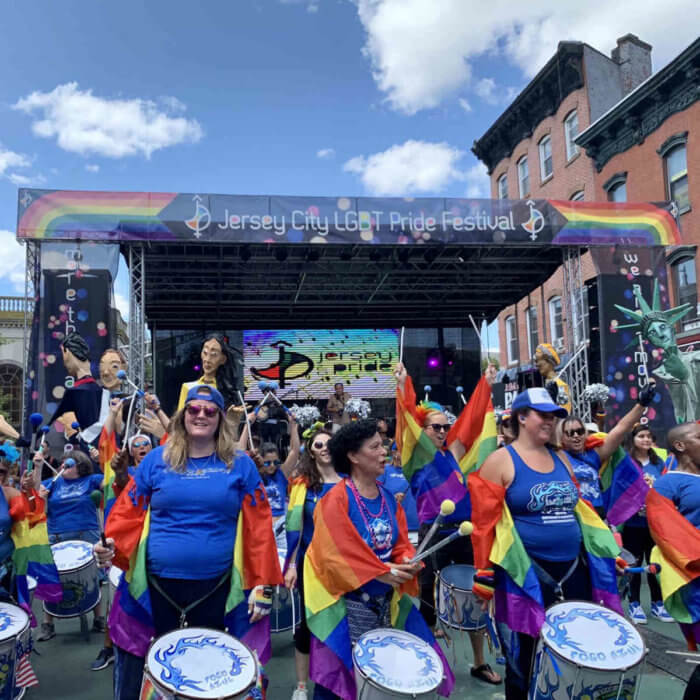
x,y
293,97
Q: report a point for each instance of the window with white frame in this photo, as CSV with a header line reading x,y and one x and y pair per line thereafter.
x,y
511,340
533,336
677,176
523,177
570,133
556,325
618,192
577,196
685,280
503,187
545,147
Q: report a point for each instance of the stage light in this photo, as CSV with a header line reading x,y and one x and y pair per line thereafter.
x,y
280,254
433,359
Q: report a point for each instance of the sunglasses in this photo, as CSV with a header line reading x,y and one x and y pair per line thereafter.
x,y
271,462
320,445
140,443
576,431
194,411
439,427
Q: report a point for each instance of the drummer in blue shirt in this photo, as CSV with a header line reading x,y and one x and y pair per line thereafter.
x,y
72,514
396,484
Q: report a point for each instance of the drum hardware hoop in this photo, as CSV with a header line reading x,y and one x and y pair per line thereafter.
x,y
620,684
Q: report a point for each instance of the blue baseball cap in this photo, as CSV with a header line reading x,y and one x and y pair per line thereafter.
x,y
205,392
540,400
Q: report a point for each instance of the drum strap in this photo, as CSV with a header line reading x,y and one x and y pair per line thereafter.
x,y
547,580
183,611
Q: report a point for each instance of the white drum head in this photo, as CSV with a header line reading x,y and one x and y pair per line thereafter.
x,y
398,661
201,663
71,554
31,583
115,575
592,636
13,620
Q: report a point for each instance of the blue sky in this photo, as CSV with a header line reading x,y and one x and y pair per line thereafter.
x,y
300,97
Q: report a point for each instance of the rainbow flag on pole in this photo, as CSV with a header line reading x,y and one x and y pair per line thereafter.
x,y
337,562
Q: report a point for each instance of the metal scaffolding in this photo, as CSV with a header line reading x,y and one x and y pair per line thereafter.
x,y
576,372
137,318
32,273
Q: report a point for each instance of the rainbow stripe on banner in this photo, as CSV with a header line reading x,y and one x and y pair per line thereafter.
x,y
72,214
615,223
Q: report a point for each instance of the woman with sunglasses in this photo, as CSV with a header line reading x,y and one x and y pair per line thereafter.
x,y
313,479
177,523
441,478
529,487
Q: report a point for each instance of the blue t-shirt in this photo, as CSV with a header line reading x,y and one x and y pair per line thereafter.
x,y
70,507
395,482
377,527
194,513
684,490
312,498
7,546
652,472
542,506
586,466
276,490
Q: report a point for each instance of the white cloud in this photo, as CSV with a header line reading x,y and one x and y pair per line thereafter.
x,y
113,127
26,180
478,183
12,269
421,52
92,168
10,159
486,90
413,166
325,153
464,104
311,5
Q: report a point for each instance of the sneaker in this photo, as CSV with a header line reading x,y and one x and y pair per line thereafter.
x,y
637,614
104,659
659,612
99,625
48,631
300,693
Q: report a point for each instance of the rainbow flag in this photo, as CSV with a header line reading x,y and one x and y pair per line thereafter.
x,y
131,618
32,555
626,491
338,562
107,447
518,594
678,551
294,523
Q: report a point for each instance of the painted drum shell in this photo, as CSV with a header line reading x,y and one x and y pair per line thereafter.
x,y
79,579
458,607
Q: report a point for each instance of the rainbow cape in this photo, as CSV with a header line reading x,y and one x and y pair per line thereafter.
x,y
337,562
294,523
32,555
496,542
130,620
678,551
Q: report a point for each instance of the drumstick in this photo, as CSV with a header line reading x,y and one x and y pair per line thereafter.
x,y
131,409
651,569
460,391
447,507
403,328
465,528
427,389
693,654
247,423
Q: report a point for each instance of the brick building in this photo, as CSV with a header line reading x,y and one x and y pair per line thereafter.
x,y
646,148
530,151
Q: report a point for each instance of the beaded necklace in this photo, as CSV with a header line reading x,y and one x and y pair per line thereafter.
x,y
366,513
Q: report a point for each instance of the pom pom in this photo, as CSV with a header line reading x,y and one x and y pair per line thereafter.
x,y
447,507
121,374
8,452
305,415
358,407
36,419
596,393
465,528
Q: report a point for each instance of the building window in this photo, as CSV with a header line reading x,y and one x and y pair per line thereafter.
x,y
545,147
685,280
677,176
503,187
523,177
11,393
577,196
533,336
556,324
616,188
511,340
571,132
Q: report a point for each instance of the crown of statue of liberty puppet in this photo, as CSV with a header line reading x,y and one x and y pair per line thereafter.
x,y
646,315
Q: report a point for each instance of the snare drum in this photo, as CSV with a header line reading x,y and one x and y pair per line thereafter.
x,y
15,641
392,663
458,607
586,651
285,611
77,571
198,663
31,587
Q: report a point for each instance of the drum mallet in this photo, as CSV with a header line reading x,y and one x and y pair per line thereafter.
x,y
121,374
465,528
247,423
460,391
651,569
427,389
447,507
67,464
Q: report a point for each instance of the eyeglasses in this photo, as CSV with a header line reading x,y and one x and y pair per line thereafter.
x,y
439,427
140,443
271,462
194,411
576,431
320,445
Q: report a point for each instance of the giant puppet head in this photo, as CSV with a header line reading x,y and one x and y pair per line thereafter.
x,y
111,362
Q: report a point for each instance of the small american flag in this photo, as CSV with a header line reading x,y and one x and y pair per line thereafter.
x,y
25,677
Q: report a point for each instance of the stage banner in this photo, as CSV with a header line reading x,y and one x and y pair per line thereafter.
x,y
210,218
76,287
633,299
308,363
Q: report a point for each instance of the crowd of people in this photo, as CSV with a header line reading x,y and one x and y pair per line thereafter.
x,y
207,514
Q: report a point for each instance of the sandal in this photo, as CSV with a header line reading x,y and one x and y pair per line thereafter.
x,y
481,672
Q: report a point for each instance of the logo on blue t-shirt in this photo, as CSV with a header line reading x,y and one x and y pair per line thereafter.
x,y
588,481
382,534
554,500
274,496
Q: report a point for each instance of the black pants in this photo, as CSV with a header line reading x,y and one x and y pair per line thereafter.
x,y
302,634
576,587
638,541
459,551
